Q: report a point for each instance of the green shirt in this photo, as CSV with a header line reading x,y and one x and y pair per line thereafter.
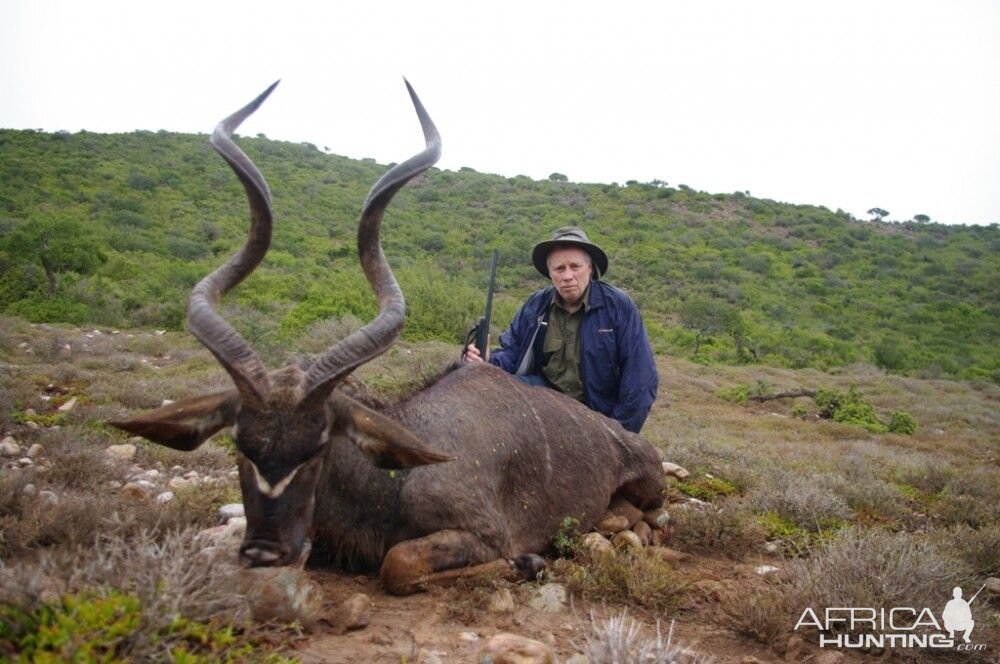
x,y
561,350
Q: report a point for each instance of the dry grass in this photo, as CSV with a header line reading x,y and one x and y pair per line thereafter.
x,y
620,640
635,579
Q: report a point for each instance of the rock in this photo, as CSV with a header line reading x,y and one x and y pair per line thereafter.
x,y
502,601
793,651
611,524
31,424
657,518
9,447
36,451
578,658
150,475
750,659
670,555
24,462
165,497
48,498
429,656
550,598
29,490
166,402
644,532
229,534
282,594
468,636
125,452
772,547
227,512
595,543
673,470
514,649
993,585
30,412
191,475
178,483
176,470
141,490
621,507
355,613
68,406
829,658
627,540
765,570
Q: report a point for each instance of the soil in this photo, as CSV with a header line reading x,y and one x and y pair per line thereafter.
x,y
444,625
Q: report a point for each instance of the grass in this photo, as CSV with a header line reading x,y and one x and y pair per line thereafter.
x,y
858,516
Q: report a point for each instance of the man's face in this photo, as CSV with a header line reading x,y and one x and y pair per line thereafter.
x,y
570,269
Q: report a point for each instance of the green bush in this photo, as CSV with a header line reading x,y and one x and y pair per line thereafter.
x,y
902,422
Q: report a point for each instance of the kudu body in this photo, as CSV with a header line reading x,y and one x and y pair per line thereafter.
x,y
485,468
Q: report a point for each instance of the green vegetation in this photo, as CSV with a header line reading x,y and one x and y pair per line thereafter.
x,y
114,230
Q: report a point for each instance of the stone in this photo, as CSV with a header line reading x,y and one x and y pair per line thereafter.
x,y
627,540
829,658
36,451
993,585
229,534
24,462
765,570
502,601
124,452
656,518
282,594
670,555
772,547
9,447
429,656
48,498
578,658
468,636
191,474
595,543
31,424
178,483
514,649
140,490
621,507
227,512
550,598
793,650
673,470
176,470
165,497
644,532
750,659
68,406
355,613
151,475
611,524
29,489
166,402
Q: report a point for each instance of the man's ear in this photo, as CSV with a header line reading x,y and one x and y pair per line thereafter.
x,y
385,442
186,424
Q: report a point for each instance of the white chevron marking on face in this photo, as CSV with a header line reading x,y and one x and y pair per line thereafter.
x,y
279,488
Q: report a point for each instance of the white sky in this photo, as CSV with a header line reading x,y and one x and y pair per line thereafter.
x,y
849,103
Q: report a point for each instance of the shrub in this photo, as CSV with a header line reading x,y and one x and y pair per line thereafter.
x,y
728,530
902,422
618,640
624,577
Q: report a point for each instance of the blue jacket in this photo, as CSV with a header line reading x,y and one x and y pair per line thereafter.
x,y
616,362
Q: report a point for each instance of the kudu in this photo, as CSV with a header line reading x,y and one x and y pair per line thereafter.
x,y
509,461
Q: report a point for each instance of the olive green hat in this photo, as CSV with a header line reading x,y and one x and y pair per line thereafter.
x,y
569,236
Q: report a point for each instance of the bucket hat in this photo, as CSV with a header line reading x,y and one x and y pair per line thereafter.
x,y
569,236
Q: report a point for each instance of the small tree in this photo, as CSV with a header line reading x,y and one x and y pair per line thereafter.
x,y
878,214
558,177
707,317
921,218
60,245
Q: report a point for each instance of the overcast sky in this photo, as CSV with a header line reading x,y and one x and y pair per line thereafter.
x,y
848,104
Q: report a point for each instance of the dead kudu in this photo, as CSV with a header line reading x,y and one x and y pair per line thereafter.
x,y
485,467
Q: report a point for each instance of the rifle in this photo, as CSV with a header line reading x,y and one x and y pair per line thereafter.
x,y
481,332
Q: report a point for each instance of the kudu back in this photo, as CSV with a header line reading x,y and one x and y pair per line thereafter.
x,y
473,473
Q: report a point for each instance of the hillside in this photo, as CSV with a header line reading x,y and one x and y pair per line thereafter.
x,y
115,229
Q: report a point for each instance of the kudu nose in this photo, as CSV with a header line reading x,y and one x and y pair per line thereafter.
x,y
260,553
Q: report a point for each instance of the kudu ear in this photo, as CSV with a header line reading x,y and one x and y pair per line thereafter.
x,y
385,442
186,424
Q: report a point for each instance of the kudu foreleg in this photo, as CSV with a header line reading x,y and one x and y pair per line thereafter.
x,y
444,557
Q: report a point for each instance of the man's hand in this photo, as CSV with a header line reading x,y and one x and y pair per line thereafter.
x,y
472,354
